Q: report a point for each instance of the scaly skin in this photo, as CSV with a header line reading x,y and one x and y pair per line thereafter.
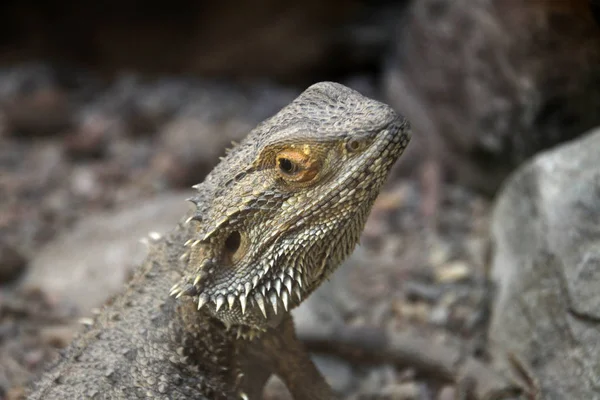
x,y
272,221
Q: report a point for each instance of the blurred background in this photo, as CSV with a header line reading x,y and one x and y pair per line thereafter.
x,y
110,111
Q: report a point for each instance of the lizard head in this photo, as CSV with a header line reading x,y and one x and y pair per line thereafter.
x,y
285,207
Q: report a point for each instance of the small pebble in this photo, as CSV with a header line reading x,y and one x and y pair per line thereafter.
x,y
413,312
439,254
402,391
439,316
453,272
447,393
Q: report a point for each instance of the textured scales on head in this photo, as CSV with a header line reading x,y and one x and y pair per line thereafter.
x,y
285,207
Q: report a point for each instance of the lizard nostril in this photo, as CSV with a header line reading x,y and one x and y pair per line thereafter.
x,y
353,145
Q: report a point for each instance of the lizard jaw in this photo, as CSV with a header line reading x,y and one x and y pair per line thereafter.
x,y
257,303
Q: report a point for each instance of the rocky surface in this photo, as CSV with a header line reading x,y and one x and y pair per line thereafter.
x,y
546,234
87,265
489,83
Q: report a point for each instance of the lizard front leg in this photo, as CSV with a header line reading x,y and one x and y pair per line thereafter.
x,y
280,352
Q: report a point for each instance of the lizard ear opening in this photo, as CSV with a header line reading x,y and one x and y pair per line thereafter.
x,y
233,241
235,247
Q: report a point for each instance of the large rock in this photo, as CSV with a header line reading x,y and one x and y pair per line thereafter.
x,y
86,266
490,83
546,230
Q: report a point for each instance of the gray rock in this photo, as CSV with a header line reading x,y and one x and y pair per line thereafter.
x,y
89,264
490,83
546,230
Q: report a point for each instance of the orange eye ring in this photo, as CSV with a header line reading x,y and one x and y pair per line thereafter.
x,y
297,166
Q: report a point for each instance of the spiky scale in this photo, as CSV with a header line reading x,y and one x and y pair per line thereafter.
x,y
202,300
274,300
174,289
288,284
298,293
299,281
261,303
243,302
207,264
231,300
285,300
193,200
277,285
187,290
219,301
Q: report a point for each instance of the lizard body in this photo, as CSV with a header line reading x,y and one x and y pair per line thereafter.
x,y
272,221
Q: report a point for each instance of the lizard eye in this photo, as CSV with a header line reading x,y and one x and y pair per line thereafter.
x,y
297,166
286,166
